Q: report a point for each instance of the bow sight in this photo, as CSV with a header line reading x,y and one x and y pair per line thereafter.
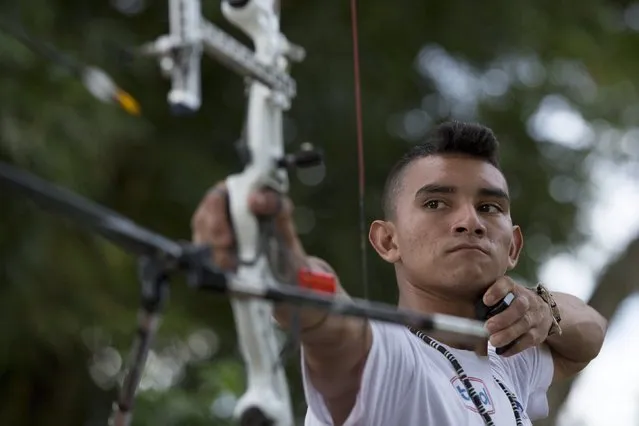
x,y
179,52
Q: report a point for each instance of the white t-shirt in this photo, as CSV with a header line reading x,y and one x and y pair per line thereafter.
x,y
408,383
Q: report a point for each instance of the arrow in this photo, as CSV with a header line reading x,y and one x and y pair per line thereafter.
x,y
95,79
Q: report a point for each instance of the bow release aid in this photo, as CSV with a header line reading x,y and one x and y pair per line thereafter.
x,y
484,312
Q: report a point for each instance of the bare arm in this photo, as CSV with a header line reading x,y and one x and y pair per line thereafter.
x,y
335,351
583,332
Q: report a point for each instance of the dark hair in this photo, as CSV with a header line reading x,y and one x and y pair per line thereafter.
x,y
451,137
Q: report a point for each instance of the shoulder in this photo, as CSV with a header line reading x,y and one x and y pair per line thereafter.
x,y
398,340
388,375
392,341
390,331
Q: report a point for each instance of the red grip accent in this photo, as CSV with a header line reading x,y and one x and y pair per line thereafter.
x,y
317,281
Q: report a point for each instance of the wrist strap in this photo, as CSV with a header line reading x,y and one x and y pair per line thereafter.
x,y
546,296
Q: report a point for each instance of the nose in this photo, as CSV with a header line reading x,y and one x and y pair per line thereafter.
x,y
467,221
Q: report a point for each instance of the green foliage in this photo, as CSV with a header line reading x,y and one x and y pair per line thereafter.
x,y
205,400
59,283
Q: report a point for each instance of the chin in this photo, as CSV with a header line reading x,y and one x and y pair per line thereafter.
x,y
470,280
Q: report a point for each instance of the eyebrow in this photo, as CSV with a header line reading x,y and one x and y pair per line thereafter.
x,y
443,189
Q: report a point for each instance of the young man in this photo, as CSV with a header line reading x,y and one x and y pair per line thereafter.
x,y
448,233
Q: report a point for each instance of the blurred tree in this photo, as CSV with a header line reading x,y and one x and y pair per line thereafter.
x,y
70,298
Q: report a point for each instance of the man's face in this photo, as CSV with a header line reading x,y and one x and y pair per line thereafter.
x,y
452,228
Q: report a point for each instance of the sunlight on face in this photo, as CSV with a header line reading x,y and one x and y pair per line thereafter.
x,y
453,228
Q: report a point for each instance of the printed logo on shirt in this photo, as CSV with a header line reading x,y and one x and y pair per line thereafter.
x,y
482,392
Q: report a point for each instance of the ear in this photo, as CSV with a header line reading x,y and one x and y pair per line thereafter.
x,y
382,236
516,246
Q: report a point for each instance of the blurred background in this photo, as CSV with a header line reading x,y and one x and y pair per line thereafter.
x,y
556,80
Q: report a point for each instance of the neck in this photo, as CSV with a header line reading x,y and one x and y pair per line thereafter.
x,y
427,301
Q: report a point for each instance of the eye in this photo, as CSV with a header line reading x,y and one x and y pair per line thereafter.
x,y
434,204
490,208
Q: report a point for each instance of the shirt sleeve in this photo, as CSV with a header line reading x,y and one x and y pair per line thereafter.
x,y
531,372
388,374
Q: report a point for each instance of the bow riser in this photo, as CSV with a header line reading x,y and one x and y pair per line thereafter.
x,y
257,338
269,94
267,393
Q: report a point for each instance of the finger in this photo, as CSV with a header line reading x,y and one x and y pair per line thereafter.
x,y
216,195
286,226
210,226
524,342
520,327
510,315
223,258
498,290
268,202
216,223
504,349
265,202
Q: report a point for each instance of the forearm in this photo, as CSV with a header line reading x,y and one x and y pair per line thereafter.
x,y
334,346
583,330
319,330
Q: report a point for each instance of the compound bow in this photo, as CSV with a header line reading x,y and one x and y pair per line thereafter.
x,y
259,280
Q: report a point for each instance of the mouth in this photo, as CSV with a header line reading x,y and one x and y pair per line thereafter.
x,y
468,247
